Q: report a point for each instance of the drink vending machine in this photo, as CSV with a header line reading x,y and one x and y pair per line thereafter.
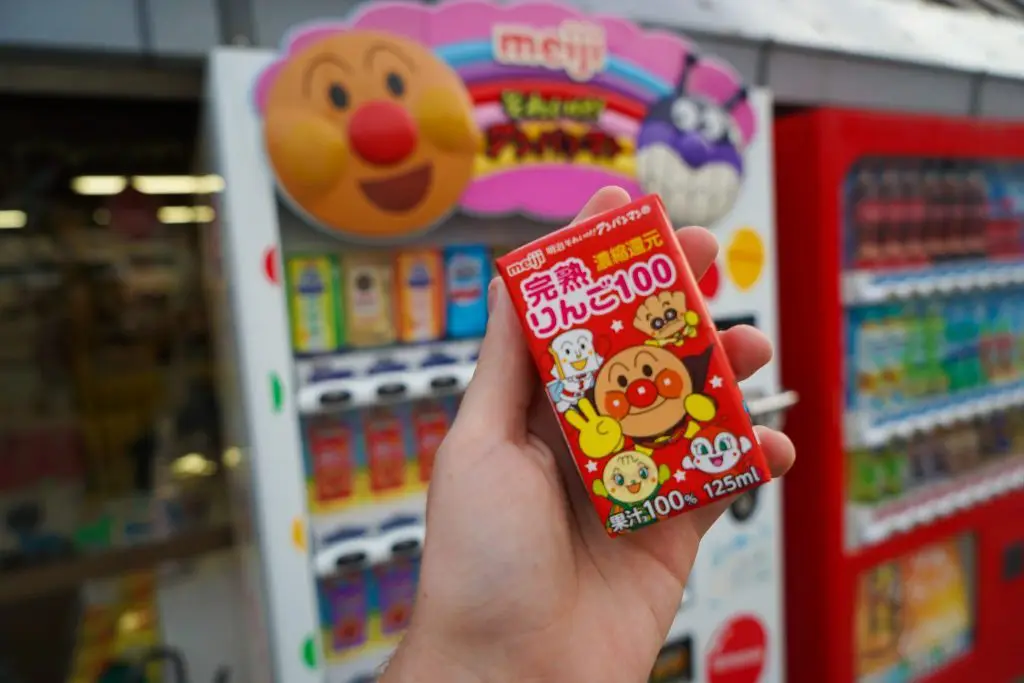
x,y
374,167
905,258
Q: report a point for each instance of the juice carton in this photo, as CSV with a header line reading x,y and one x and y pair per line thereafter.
x,y
313,303
369,308
430,421
467,275
643,391
386,448
347,595
420,295
396,592
332,451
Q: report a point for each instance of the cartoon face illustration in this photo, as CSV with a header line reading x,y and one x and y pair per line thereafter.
x,y
645,389
715,450
574,354
370,133
629,478
690,151
664,316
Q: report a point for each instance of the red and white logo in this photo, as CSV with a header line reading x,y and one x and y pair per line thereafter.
x,y
738,651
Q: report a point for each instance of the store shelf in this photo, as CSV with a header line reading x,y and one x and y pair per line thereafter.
x,y
867,287
871,429
873,524
29,583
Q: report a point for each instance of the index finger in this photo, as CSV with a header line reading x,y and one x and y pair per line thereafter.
x,y
587,408
575,419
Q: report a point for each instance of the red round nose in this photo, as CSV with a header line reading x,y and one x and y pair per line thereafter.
x,y
382,133
641,393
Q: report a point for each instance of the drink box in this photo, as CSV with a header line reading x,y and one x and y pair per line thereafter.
x,y
644,393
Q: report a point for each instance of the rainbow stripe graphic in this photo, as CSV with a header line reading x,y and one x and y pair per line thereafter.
x,y
640,67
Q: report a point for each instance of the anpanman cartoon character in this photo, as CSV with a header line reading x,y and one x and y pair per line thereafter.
x,y
648,394
629,478
370,133
715,449
575,366
665,318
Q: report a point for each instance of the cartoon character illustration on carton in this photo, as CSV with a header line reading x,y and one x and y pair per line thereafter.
x,y
715,450
665,318
629,479
576,363
648,394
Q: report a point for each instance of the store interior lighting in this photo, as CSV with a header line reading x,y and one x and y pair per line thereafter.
x,y
193,465
105,185
12,220
178,215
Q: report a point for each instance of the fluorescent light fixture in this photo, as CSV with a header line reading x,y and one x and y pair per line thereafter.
x,y
177,215
12,220
178,184
99,184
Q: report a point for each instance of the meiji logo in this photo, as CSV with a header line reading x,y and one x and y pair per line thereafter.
x,y
625,218
534,260
576,47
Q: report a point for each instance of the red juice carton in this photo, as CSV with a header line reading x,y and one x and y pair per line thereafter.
x,y
634,368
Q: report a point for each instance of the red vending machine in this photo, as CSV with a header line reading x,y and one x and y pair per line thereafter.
x,y
902,306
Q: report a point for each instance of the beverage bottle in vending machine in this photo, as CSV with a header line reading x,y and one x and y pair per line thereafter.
x,y
396,592
976,209
954,198
866,216
347,593
420,295
914,213
891,238
934,211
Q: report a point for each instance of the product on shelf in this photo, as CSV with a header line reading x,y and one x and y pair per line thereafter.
x,y
420,279
939,456
332,447
348,598
912,212
386,447
369,280
430,421
908,355
396,591
653,415
467,276
314,303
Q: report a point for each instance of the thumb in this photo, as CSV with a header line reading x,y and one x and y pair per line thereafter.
x,y
498,397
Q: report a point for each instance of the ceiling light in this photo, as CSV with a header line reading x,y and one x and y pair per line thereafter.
x,y
177,215
12,220
193,465
99,184
178,184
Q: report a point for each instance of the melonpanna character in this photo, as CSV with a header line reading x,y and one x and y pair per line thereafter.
x,y
576,363
629,479
714,450
645,393
665,318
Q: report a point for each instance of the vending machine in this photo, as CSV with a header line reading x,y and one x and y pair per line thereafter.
x,y
375,166
902,253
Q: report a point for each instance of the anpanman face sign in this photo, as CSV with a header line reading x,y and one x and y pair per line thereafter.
x,y
370,133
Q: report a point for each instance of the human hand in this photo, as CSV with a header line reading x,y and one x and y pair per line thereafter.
x,y
600,435
519,580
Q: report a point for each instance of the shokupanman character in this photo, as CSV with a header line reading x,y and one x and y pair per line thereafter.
x,y
648,394
576,363
629,479
690,151
715,450
665,318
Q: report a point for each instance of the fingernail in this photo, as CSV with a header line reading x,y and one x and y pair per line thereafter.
x,y
492,294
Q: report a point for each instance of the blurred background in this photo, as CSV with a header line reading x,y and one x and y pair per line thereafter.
x,y
163,520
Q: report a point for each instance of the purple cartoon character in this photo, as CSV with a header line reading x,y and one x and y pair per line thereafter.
x,y
690,151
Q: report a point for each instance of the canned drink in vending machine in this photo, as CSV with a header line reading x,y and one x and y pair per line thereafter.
x,y
934,212
913,213
866,217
